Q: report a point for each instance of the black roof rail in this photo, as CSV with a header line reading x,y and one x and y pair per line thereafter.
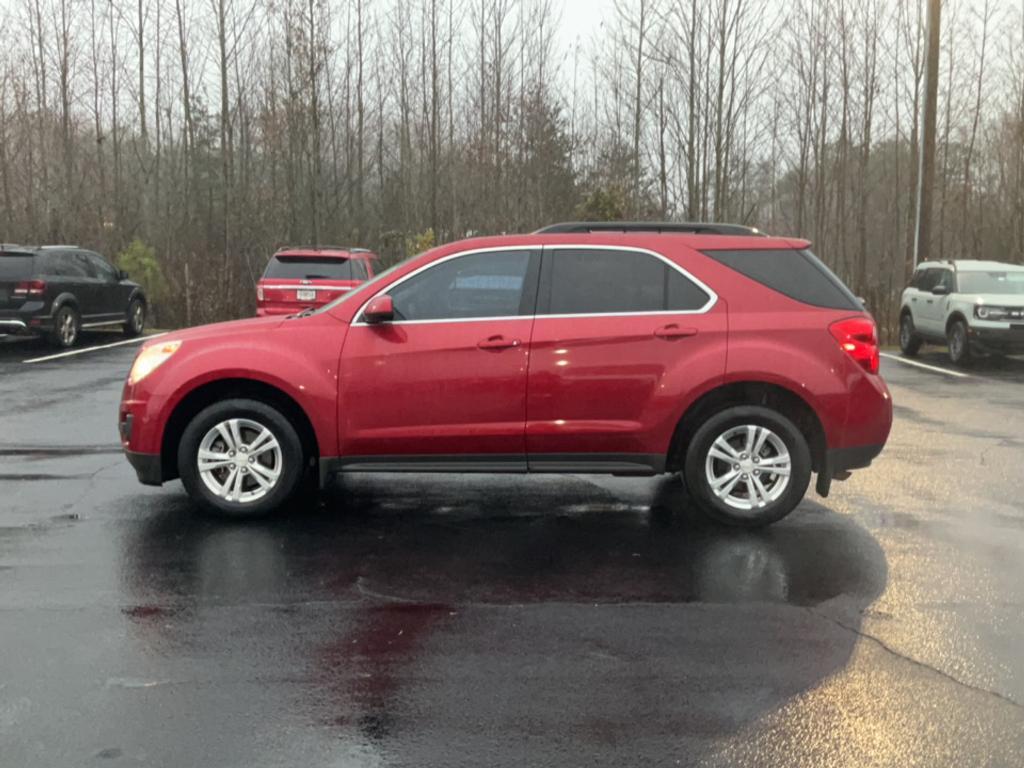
x,y
693,228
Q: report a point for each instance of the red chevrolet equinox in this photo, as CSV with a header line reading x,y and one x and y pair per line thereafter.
x,y
737,360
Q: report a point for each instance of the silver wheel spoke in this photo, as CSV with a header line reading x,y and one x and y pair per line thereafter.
x,y
727,488
209,460
265,476
236,434
748,445
226,436
722,445
265,441
758,492
229,483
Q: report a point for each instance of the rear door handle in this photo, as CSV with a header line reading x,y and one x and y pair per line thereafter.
x,y
498,342
673,331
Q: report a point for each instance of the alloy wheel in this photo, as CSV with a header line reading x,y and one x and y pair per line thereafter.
x,y
67,330
748,467
240,460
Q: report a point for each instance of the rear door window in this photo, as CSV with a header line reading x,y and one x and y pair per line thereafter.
x,y
798,274
309,268
584,281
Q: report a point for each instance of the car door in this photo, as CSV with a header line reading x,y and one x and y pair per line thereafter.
x,y
111,294
621,336
444,383
933,307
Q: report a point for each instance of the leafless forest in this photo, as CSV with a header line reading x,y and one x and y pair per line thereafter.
x,y
214,130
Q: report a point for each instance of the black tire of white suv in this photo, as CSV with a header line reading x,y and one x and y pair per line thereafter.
x,y
959,343
910,339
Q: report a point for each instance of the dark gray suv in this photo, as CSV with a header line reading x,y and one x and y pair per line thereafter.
x,y
57,290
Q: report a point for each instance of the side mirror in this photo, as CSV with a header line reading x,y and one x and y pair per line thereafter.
x,y
940,290
122,275
381,309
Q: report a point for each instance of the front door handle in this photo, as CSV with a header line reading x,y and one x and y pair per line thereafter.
x,y
498,342
673,331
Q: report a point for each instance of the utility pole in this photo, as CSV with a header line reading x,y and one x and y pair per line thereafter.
x,y
926,171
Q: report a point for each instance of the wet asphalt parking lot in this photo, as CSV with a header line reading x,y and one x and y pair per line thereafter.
x,y
511,621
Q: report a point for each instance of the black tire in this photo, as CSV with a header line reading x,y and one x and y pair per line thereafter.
x,y
959,343
910,340
67,327
136,322
292,459
791,494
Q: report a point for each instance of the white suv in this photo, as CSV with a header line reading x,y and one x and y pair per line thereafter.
x,y
972,306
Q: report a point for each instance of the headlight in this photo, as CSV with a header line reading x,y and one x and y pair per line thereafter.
x,y
150,359
983,312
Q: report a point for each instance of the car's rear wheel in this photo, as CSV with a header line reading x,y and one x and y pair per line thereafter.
x,y
747,466
67,325
241,458
959,343
910,341
136,322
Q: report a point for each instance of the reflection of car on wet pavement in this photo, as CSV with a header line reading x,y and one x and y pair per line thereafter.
x,y
738,360
970,307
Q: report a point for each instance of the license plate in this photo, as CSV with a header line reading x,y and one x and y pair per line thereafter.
x,y
308,295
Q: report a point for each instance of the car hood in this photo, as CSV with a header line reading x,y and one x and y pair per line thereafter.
x,y
996,299
231,328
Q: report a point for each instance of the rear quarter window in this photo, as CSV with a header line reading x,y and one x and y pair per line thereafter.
x,y
16,266
798,274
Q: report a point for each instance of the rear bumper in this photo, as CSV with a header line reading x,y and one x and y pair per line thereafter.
x,y
27,320
147,467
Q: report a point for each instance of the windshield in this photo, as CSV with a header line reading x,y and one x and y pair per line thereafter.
x,y
367,287
991,282
309,268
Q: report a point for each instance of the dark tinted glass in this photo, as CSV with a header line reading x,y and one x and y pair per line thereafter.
x,y
359,269
945,278
15,266
928,279
309,268
797,274
101,267
917,279
71,264
477,285
603,282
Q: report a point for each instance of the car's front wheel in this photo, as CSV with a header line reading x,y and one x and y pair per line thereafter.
x,y
959,343
67,324
747,466
910,341
241,458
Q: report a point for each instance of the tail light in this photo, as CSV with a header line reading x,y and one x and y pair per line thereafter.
x,y
858,337
259,293
29,288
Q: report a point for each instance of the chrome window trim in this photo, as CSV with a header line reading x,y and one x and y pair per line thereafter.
x,y
711,302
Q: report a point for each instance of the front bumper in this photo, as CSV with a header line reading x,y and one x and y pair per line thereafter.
x,y
1007,338
147,467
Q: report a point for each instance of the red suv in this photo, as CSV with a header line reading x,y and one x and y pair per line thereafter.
x,y
310,276
739,361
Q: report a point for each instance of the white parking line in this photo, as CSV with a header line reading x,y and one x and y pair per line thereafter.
x,y
83,350
934,368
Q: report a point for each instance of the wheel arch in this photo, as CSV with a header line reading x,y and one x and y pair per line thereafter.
x,y
762,393
223,389
955,315
65,299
